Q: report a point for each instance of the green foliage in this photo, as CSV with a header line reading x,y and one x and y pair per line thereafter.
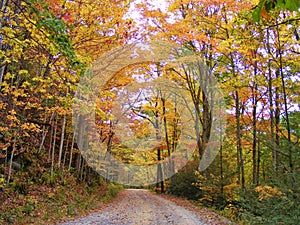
x,y
268,5
181,184
57,29
268,205
213,197
2,181
112,191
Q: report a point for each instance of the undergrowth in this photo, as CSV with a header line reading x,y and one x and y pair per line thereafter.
x,y
28,202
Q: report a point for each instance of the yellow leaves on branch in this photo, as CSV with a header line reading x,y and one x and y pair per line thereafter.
x,y
4,147
59,110
97,25
267,192
12,117
2,130
2,106
30,127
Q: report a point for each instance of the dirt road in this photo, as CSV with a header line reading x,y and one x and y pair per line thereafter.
x,y
141,207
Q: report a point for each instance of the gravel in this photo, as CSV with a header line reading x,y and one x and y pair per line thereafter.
x,y
135,206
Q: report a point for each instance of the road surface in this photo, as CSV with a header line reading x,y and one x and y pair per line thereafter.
x,y
142,207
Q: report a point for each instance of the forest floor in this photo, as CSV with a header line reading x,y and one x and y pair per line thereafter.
x,y
136,206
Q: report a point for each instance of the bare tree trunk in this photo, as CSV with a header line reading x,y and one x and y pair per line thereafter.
x,y
175,132
158,138
285,101
108,151
207,117
254,135
258,157
45,131
221,166
65,154
53,146
80,140
254,149
2,68
170,161
159,168
88,175
62,139
82,169
6,159
277,124
270,90
50,142
241,172
11,160
71,150
175,124
165,126
78,164
3,5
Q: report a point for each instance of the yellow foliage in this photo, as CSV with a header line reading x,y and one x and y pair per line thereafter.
x,y
30,126
231,189
267,192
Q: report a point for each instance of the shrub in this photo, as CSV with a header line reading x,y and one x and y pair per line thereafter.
x,y
181,184
269,205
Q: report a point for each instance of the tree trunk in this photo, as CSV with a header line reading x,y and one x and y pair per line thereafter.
x,y
207,117
221,166
65,154
258,157
108,151
254,135
277,124
170,161
78,164
272,121
50,141
82,168
160,182
53,146
241,172
71,150
3,4
80,144
45,132
11,160
62,139
285,102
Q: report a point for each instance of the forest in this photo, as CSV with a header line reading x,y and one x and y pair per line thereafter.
x,y
210,113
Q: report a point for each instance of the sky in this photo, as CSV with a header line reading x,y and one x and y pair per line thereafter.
x,y
135,14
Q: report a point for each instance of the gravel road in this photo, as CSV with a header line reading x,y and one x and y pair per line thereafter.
x,y
135,206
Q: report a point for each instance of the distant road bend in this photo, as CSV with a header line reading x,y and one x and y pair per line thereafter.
x,y
134,206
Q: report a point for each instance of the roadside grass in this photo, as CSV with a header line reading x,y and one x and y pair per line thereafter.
x,y
53,202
